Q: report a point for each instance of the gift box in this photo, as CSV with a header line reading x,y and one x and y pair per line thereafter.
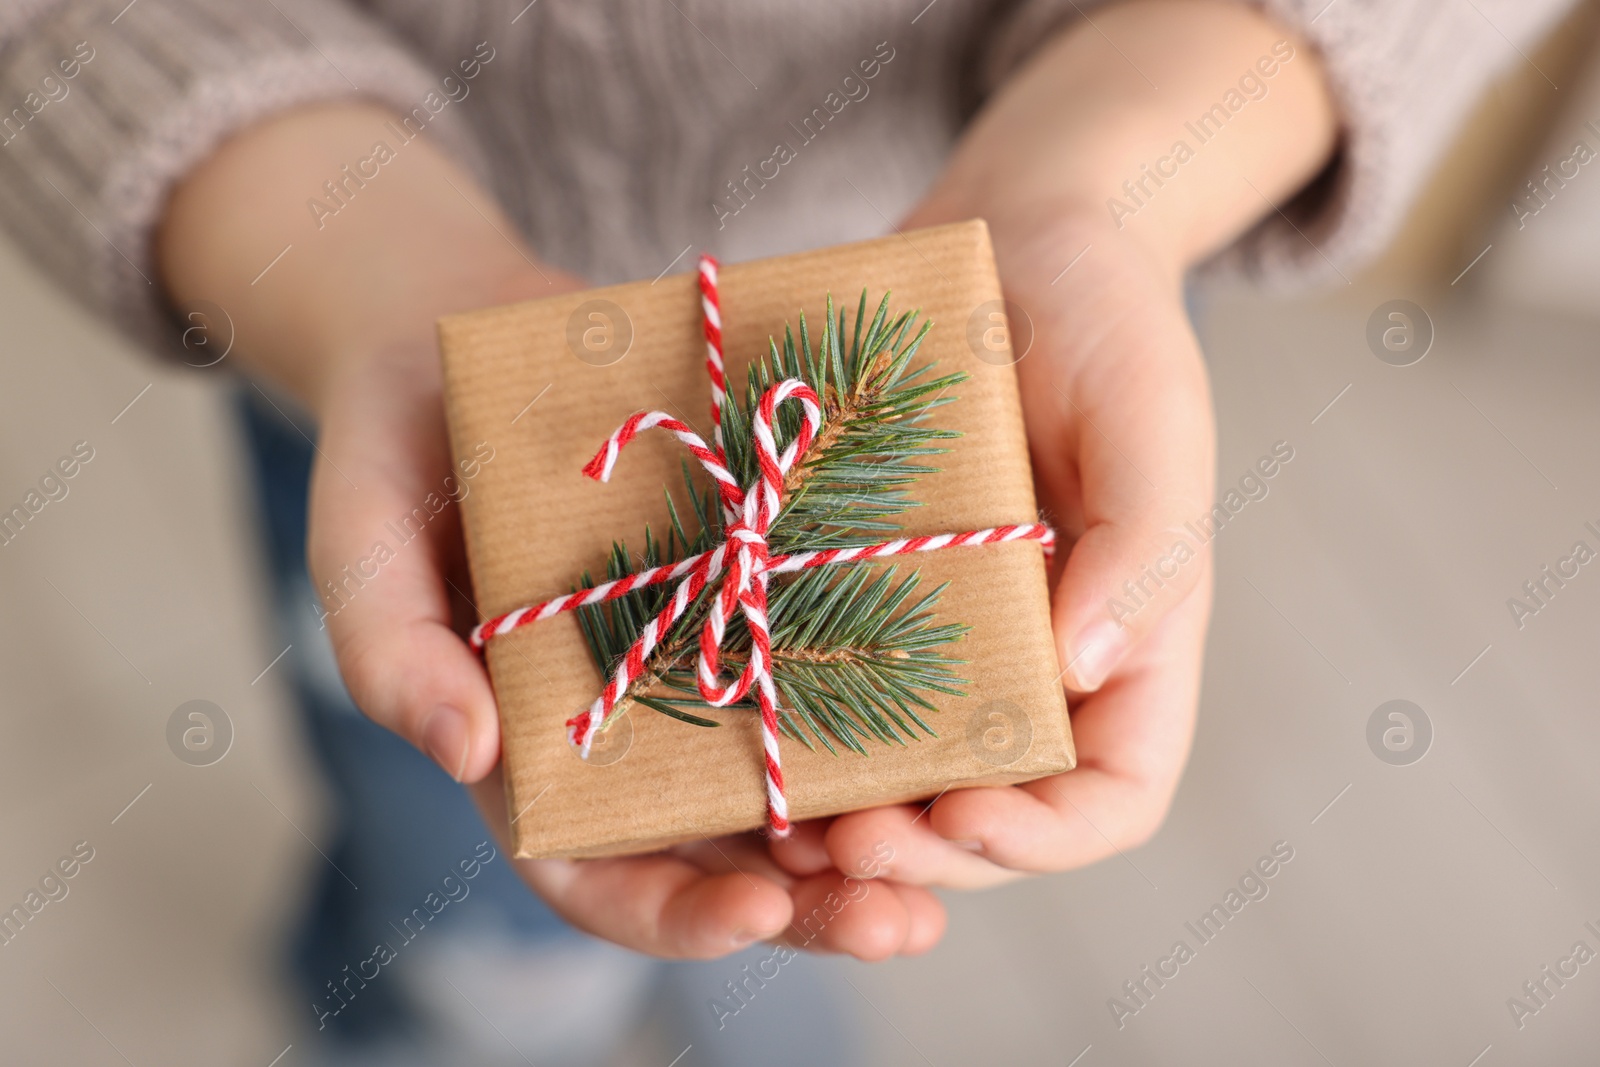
x,y
546,382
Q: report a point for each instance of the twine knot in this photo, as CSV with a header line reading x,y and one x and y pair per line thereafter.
x,y
743,560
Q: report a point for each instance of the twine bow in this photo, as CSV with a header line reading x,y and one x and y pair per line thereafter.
x,y
743,560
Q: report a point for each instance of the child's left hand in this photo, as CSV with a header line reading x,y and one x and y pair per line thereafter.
x,y
1120,428
1117,406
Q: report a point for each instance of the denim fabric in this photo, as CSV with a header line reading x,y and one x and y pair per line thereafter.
x,y
401,824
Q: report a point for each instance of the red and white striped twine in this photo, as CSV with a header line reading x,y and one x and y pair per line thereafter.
x,y
711,319
742,561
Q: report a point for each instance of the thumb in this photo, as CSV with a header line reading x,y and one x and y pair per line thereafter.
x,y
384,542
1130,464
416,677
1120,581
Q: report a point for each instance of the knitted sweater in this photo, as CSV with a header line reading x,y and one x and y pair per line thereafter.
x,y
618,134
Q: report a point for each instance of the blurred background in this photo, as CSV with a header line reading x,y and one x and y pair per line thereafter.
x,y
1438,861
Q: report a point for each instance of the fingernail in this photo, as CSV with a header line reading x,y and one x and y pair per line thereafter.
x,y
1100,647
970,846
444,738
744,939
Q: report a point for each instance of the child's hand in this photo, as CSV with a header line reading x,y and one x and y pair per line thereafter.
x,y
346,322
1120,429
398,640
709,898
1116,401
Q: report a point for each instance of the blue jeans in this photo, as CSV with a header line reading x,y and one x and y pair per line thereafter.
x,y
401,824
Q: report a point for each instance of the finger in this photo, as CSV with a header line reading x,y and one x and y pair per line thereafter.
x,y
1120,427
384,533
661,904
901,843
742,853
1132,736
416,677
804,851
924,914
863,918
928,919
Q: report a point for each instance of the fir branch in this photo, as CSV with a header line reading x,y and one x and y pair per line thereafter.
x,y
851,657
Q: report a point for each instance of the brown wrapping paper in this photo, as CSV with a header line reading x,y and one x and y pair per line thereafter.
x,y
534,524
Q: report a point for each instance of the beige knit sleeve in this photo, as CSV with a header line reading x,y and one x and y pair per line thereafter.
x,y
1404,74
101,112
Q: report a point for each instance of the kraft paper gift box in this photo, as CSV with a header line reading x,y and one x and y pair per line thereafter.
x,y
547,381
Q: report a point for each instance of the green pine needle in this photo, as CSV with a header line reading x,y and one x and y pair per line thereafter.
x,y
855,650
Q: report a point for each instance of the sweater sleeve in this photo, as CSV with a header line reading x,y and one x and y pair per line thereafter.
x,y
101,113
1404,75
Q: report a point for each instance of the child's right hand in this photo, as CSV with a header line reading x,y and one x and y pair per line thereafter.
x,y
345,320
398,640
